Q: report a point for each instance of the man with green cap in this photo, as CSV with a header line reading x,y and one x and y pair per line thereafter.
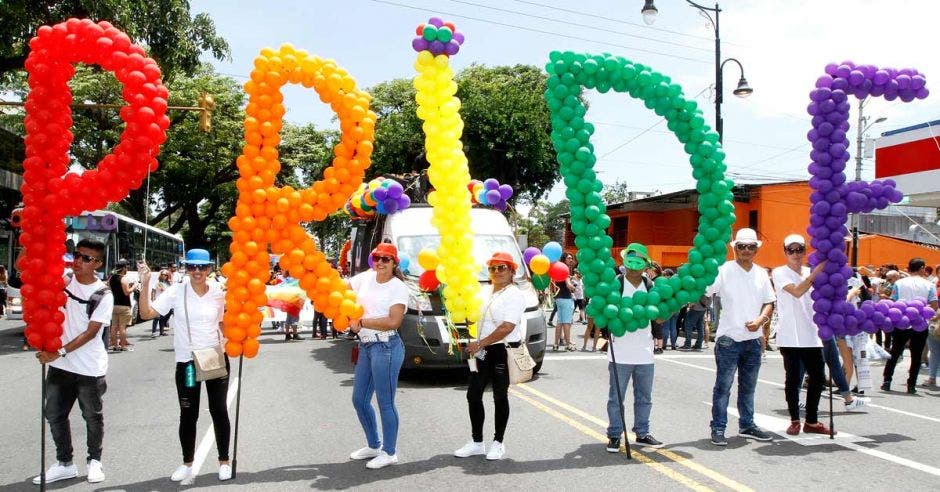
x,y
631,355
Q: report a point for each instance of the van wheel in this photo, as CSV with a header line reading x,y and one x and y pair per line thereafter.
x,y
535,370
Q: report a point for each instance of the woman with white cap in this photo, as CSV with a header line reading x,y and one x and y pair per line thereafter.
x,y
198,306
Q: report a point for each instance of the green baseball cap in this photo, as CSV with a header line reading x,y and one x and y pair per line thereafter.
x,y
635,256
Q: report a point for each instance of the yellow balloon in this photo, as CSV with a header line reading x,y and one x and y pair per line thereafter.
x,y
539,264
428,259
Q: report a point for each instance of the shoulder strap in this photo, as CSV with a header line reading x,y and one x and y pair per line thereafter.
x,y
189,332
93,300
648,284
621,280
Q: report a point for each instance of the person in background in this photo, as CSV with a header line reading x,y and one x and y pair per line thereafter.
x,y
653,271
500,325
122,288
163,283
77,370
3,289
671,326
564,302
914,286
197,325
578,295
695,320
747,302
384,297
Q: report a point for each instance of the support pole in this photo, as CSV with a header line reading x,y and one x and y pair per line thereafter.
x,y
623,418
238,404
42,439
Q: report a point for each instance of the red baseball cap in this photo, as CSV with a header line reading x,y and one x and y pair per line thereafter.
x,y
501,257
386,249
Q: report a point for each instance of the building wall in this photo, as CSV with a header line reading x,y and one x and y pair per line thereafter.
x,y
878,250
782,209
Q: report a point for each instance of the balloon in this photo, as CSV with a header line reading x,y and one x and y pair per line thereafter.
x,y
428,259
540,282
287,207
552,250
403,262
493,197
428,281
529,253
539,264
558,271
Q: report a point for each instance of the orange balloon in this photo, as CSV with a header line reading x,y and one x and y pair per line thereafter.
x,y
233,349
250,347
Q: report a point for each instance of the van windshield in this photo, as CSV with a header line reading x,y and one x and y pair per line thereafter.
x,y
483,248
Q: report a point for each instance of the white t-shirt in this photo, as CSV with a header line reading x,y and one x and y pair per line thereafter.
x,y
636,347
795,326
205,314
377,299
914,286
507,305
578,291
90,359
742,294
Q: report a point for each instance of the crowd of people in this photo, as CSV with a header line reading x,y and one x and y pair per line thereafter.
x,y
744,299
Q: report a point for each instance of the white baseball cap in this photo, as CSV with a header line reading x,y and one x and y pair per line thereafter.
x,y
746,236
794,238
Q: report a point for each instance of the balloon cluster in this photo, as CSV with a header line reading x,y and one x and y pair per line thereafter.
x,y
490,193
437,37
448,173
429,261
379,196
833,198
267,215
569,73
545,265
49,191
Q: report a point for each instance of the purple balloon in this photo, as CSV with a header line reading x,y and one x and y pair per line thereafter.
x,y
391,205
379,194
436,21
493,197
451,48
505,191
458,37
436,47
404,202
395,190
419,44
529,253
490,184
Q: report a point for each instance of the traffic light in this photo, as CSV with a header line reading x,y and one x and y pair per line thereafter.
x,y
207,103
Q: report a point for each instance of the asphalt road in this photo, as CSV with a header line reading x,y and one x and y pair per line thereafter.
x,y
297,427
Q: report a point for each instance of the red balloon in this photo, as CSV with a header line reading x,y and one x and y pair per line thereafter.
x,y
428,281
558,271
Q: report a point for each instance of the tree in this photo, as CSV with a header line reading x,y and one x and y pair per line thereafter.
x,y
172,36
506,127
544,223
615,192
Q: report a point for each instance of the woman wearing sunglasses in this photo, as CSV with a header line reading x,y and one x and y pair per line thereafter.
x,y
498,326
197,323
384,296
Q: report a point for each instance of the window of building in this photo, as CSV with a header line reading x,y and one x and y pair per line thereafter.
x,y
619,235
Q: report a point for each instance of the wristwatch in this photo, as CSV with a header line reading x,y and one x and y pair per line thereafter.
x,y
62,352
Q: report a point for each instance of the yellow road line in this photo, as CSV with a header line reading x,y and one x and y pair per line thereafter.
x,y
682,460
640,457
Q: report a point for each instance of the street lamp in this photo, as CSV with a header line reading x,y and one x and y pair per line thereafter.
x,y
863,126
650,11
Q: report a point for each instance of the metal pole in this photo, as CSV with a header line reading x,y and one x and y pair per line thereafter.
x,y
832,423
719,124
858,177
42,445
623,418
238,404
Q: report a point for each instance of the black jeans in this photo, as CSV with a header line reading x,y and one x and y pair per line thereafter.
x,y
899,339
319,321
160,322
492,369
217,391
62,389
795,359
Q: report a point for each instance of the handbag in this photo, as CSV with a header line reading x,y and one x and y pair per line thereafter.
x,y
934,329
209,362
520,363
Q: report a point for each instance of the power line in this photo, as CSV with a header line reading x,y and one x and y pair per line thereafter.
x,y
587,26
550,33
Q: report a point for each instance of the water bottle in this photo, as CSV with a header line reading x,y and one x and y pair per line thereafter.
x,y
190,375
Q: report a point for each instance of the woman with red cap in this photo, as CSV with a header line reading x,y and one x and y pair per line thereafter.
x,y
499,326
384,297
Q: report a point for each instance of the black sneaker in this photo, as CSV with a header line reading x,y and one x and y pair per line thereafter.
x,y
911,390
757,434
613,445
657,351
886,386
649,441
718,438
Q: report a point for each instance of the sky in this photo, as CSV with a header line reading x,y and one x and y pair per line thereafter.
x,y
783,47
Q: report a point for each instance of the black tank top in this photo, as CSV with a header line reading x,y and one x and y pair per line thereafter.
x,y
563,291
120,298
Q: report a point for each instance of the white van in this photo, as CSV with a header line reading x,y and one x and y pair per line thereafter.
x,y
424,331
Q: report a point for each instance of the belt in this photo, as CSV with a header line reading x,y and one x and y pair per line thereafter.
x,y
380,337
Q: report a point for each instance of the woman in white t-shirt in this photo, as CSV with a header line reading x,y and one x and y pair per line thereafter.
x,y
197,323
384,297
499,325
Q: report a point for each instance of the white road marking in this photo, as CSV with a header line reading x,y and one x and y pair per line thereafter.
x,y
209,439
845,440
670,357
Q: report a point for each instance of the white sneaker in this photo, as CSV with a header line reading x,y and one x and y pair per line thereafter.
x,y
57,472
364,453
95,471
471,449
183,474
497,450
382,460
856,404
225,472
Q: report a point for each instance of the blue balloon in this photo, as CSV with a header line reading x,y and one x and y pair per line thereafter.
x,y
403,262
552,250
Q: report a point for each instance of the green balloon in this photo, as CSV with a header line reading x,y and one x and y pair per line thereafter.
x,y
430,33
444,34
540,282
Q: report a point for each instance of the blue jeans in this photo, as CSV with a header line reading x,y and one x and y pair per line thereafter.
x,y
744,358
377,373
933,358
671,331
642,398
834,361
694,320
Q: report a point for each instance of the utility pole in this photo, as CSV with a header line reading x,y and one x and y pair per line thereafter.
x,y
858,176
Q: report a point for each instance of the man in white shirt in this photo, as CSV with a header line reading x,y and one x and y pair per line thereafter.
x,y
909,288
798,336
631,356
77,370
747,301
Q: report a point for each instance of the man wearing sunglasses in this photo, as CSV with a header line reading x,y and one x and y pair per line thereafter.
x,y
747,301
797,335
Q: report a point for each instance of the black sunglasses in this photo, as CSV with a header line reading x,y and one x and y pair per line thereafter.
x,y
498,268
749,247
201,268
383,259
793,251
86,258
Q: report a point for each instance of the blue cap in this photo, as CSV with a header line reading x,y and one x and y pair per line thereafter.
x,y
197,257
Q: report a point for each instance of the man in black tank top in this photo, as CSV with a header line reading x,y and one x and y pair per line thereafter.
x,y
121,288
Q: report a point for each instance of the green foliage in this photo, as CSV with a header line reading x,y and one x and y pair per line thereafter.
x,y
616,192
172,35
543,223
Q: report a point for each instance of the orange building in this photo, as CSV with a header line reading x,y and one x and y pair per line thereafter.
x,y
666,224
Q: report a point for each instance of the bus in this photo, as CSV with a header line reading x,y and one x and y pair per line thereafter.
x,y
124,238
